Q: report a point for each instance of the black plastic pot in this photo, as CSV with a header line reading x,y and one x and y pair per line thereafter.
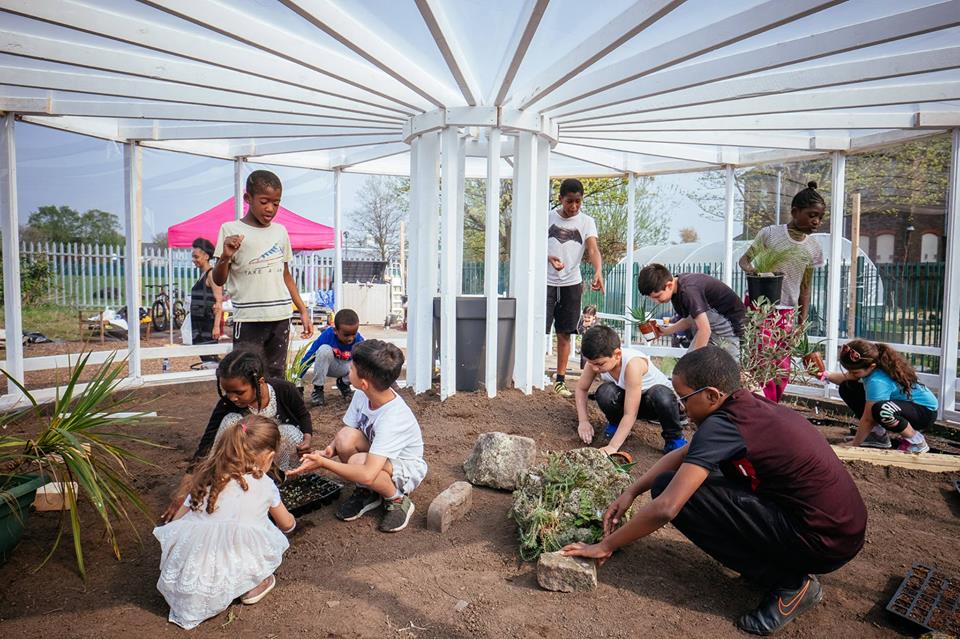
x,y
768,286
472,337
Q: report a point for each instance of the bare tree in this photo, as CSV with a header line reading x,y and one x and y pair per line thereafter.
x,y
383,203
688,235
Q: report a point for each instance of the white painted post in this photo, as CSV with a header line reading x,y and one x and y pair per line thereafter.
x,y
462,172
449,196
779,194
628,273
11,253
414,264
338,241
491,262
836,255
540,220
951,294
238,188
132,185
728,228
423,285
170,288
522,260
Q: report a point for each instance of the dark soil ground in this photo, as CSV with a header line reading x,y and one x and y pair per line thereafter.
x,y
348,580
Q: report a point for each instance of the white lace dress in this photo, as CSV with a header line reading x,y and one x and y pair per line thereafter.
x,y
209,560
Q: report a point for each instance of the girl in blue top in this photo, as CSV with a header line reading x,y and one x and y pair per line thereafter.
x,y
881,388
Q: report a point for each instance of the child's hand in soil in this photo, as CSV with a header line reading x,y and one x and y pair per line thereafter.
x,y
614,512
600,552
555,262
609,450
308,463
305,444
585,430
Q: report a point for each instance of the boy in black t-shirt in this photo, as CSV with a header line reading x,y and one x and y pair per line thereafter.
x,y
781,510
708,308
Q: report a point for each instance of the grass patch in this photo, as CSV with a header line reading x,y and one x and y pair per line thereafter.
x,y
54,321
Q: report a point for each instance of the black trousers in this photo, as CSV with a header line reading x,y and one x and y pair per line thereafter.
x,y
658,403
746,533
892,414
269,340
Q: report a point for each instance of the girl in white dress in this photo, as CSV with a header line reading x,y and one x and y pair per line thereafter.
x,y
221,544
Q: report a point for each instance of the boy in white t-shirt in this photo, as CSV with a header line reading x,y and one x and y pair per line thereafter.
x,y
381,447
570,235
253,258
633,387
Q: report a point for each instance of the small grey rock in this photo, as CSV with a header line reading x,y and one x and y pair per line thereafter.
x,y
566,574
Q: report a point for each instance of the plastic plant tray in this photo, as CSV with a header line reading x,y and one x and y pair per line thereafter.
x,y
308,493
928,598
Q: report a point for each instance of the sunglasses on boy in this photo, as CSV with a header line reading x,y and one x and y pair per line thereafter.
x,y
683,399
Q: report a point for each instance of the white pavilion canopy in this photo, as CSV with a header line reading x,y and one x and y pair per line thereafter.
x,y
516,88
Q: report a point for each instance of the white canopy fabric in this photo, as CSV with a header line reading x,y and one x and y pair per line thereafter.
x,y
649,87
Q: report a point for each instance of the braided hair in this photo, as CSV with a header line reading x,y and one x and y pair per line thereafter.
x,y
807,198
241,364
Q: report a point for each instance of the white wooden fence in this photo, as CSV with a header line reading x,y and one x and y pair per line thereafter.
x,y
92,275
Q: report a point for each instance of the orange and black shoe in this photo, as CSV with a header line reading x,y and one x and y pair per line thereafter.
x,y
781,606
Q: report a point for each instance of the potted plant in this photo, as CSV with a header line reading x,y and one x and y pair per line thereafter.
x,y
644,321
80,442
809,353
767,281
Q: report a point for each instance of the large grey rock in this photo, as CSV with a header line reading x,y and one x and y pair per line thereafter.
x,y
497,459
566,574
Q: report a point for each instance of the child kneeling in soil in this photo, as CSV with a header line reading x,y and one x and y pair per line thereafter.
x,y
881,388
221,543
244,391
783,510
381,447
632,387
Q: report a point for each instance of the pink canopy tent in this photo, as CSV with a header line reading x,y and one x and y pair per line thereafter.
x,y
304,234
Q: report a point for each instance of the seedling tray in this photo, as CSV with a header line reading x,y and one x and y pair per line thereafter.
x,y
928,598
308,493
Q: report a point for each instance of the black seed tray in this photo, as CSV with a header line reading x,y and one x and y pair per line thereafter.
x,y
309,493
928,598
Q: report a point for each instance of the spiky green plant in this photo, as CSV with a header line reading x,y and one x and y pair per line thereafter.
x,y
296,366
769,260
81,440
639,315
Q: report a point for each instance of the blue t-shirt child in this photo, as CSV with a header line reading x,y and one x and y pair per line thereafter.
x,y
880,387
328,337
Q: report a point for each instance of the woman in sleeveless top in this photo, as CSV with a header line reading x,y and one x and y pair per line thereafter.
x,y
206,299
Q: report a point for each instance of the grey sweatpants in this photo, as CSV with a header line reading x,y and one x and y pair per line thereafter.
x,y
721,333
327,365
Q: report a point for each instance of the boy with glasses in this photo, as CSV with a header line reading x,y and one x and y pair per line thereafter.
x,y
781,510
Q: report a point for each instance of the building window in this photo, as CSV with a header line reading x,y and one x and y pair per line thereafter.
x,y
929,247
865,244
885,244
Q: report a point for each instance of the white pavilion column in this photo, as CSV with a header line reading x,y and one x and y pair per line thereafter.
x,y
452,184
540,211
133,200
728,228
491,262
836,255
951,294
462,172
11,252
337,241
413,263
522,264
239,186
629,284
425,193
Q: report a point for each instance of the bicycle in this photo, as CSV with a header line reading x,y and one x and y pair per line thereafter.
x,y
160,310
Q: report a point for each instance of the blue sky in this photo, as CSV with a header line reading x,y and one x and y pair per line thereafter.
x,y
59,168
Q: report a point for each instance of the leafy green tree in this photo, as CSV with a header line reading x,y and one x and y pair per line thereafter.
x,y
55,223
100,227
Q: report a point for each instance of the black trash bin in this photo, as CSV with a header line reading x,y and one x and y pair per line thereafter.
x,y
472,337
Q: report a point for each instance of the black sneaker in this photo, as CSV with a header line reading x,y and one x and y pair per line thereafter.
x,y
780,606
344,388
363,500
397,514
316,399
